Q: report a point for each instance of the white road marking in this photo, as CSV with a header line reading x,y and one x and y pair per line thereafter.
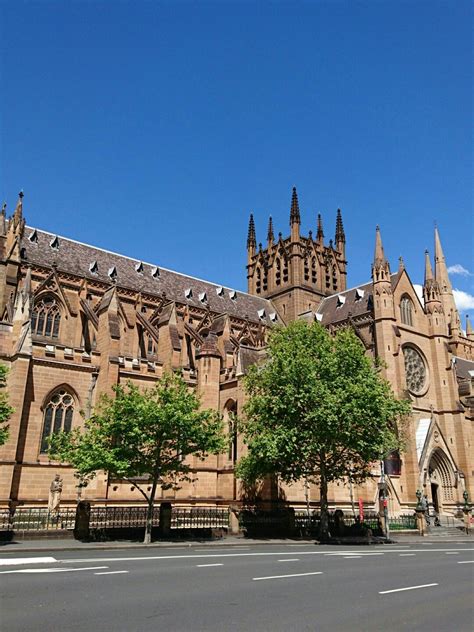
x,y
207,565
352,557
467,562
111,573
290,559
234,548
451,553
358,554
386,592
221,555
15,561
257,579
407,555
53,570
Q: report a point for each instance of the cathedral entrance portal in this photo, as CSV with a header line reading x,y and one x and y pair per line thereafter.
x,y
441,480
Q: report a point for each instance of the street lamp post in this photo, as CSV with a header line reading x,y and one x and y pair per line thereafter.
x,y
383,487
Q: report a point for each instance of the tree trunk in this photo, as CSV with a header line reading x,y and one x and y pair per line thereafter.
x,y
149,514
324,525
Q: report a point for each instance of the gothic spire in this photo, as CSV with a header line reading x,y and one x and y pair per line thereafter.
x,y
469,330
295,217
340,235
380,267
428,269
251,237
379,255
270,235
401,264
441,270
442,277
320,234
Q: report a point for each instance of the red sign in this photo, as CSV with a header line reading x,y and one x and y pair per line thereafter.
x,y
361,509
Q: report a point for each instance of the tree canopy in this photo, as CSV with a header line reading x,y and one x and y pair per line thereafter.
x,y
318,408
143,437
5,409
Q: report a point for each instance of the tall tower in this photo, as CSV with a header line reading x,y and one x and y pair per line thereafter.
x,y
296,272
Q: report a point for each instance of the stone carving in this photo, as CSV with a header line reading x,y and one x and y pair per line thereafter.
x,y
55,491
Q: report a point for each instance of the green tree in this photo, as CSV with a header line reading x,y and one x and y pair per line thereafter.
x,y
143,437
5,409
318,409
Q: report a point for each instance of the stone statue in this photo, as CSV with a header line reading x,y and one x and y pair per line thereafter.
x,y
54,499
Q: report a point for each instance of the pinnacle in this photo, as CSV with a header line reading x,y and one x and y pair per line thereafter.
x,y
340,235
270,235
251,237
295,217
320,233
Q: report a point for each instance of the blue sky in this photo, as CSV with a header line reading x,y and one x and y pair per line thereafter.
x,y
153,129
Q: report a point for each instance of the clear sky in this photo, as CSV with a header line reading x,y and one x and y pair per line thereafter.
x,y
153,129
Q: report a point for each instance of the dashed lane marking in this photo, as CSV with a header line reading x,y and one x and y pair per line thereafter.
x,y
111,573
386,592
407,555
257,579
467,562
451,553
207,565
290,559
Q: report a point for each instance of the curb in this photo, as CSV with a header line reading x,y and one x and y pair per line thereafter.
x,y
15,548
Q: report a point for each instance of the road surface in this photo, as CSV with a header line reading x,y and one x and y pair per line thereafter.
x,y
426,586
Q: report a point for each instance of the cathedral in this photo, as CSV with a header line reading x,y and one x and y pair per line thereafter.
x,y
76,320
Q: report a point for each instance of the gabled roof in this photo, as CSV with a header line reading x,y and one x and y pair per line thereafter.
x,y
76,258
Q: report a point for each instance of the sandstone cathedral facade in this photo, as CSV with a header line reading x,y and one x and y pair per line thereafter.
x,y
75,320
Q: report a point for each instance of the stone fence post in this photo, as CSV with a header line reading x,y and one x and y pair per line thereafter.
x,y
82,523
165,519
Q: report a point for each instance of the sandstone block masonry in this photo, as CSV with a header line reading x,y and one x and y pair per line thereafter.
x,y
75,320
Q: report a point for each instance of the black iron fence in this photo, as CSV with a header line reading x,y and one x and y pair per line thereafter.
x,y
37,519
105,518
200,518
121,517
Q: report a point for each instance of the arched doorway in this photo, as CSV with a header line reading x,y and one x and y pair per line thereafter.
x,y
441,480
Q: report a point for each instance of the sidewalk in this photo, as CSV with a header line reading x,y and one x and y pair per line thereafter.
x,y
41,545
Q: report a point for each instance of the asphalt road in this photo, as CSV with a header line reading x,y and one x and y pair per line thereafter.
x,y
258,588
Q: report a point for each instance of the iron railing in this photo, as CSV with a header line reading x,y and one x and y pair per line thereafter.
x,y
37,519
199,518
121,517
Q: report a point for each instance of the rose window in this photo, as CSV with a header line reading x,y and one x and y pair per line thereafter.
x,y
415,370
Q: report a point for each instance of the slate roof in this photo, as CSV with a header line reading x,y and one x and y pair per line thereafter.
x,y
463,368
78,259
355,301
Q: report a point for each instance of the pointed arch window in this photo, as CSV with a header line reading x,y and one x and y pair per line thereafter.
x,y
46,317
58,416
406,311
